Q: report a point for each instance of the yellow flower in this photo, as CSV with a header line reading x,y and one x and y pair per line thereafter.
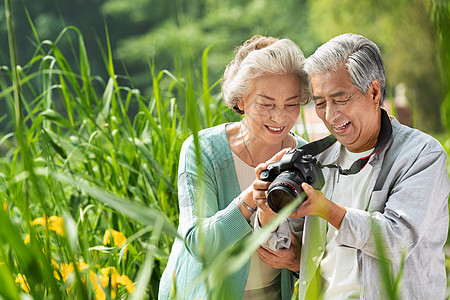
x,y
55,223
5,206
107,275
22,280
27,239
99,292
67,268
119,239
110,275
38,221
82,266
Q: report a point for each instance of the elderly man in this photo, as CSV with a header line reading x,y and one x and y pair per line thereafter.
x,y
387,197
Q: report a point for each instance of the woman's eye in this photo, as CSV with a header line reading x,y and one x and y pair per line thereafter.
x,y
265,105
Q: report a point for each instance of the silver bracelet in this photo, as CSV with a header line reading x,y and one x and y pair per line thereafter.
x,y
252,210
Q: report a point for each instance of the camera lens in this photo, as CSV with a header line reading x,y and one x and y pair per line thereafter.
x,y
284,189
279,197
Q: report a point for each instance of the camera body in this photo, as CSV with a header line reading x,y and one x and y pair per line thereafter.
x,y
287,175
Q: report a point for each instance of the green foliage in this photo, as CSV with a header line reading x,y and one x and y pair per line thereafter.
x,y
153,30
99,155
83,142
441,19
407,40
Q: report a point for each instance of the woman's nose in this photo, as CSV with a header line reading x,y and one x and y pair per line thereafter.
x,y
277,115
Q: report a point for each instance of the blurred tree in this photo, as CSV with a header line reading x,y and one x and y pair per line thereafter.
x,y
180,28
173,32
407,40
168,33
50,17
441,18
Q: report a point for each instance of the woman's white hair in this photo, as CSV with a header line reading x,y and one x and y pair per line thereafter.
x,y
360,56
261,56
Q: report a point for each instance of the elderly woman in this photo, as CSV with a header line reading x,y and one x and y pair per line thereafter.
x,y
267,84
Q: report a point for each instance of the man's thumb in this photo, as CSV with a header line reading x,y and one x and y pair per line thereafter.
x,y
306,187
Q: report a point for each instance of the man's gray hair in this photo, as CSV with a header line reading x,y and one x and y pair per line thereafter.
x,y
261,56
360,55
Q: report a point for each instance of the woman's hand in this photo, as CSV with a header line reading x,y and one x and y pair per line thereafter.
x,y
260,189
246,196
283,258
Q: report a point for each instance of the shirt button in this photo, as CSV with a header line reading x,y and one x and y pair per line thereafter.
x,y
304,283
320,248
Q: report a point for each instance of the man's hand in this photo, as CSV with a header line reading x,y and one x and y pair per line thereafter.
x,y
316,204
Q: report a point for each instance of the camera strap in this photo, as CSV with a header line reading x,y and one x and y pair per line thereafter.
x,y
323,144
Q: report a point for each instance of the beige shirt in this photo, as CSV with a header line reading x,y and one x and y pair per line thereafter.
x,y
263,281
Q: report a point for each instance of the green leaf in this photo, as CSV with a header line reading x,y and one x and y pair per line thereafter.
x,y
133,210
54,116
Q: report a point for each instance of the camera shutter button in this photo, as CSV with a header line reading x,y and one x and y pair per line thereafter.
x,y
264,174
307,157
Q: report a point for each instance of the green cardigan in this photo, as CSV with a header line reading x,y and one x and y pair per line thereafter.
x,y
222,223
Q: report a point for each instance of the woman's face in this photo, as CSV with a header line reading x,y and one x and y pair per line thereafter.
x,y
271,108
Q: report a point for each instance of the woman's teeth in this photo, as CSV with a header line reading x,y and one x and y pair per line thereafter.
x,y
275,128
340,127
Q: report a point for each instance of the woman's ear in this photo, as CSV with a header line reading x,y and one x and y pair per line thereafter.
x,y
375,92
241,104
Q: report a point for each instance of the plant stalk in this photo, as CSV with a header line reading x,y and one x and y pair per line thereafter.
x,y
14,71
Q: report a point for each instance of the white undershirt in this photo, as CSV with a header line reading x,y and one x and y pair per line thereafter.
x,y
339,267
263,281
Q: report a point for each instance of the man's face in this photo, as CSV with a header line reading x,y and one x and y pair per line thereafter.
x,y
351,116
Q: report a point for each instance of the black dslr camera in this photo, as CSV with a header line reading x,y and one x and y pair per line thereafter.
x,y
287,175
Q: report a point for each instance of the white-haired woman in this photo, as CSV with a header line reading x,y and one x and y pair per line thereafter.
x,y
266,83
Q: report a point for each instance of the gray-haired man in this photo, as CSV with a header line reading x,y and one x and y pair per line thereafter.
x,y
390,181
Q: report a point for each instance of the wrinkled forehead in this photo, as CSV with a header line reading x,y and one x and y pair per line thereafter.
x,y
330,83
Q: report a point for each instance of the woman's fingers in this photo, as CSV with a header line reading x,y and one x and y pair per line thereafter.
x,y
259,168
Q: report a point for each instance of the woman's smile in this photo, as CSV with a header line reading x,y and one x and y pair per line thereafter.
x,y
275,129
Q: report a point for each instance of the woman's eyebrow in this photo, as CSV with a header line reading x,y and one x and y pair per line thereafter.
x,y
273,99
292,97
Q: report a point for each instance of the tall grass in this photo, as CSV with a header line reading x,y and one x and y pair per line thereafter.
x,y
88,176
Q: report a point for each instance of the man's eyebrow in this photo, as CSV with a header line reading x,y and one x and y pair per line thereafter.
x,y
336,94
317,98
339,94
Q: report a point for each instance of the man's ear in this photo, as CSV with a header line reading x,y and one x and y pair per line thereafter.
x,y
375,92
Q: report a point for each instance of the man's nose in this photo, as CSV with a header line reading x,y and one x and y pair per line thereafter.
x,y
332,112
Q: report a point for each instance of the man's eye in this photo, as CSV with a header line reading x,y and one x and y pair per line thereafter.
x,y
320,104
341,102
